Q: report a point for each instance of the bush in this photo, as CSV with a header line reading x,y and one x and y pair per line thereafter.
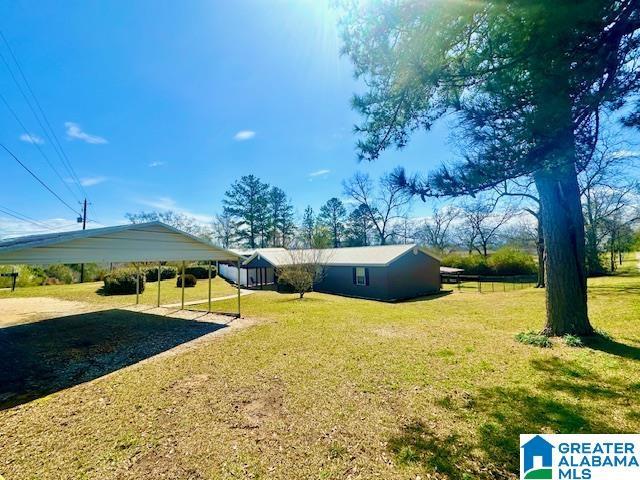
x,y
167,273
122,282
62,273
573,341
533,338
474,264
92,271
512,261
189,281
505,261
28,275
201,272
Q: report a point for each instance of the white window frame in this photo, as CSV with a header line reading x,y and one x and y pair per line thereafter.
x,y
362,277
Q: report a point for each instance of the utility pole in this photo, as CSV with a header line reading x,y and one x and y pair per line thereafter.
x,y
84,227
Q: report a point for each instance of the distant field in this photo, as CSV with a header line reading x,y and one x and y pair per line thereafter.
x,y
330,387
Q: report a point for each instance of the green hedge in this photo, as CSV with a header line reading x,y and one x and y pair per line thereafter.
x,y
474,264
189,281
504,261
201,272
167,273
123,282
512,261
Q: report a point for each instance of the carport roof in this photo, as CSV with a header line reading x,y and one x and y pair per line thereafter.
x,y
144,242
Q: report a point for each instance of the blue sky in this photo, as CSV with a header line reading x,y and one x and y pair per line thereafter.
x,y
162,104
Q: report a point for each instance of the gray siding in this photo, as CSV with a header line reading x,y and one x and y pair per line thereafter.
x,y
411,275
414,275
339,279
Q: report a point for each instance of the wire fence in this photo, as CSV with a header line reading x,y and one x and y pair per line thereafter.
x,y
488,283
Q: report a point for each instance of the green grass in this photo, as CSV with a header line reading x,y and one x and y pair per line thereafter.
x,y
92,292
332,387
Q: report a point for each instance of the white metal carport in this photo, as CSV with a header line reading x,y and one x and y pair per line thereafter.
x,y
145,242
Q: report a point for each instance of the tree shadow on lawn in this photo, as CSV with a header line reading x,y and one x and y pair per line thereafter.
x,y
608,345
501,414
40,358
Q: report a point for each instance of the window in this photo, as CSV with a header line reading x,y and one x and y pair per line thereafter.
x,y
361,276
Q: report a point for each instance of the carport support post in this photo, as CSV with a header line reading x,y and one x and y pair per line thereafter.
x,y
137,284
238,268
182,282
209,310
159,276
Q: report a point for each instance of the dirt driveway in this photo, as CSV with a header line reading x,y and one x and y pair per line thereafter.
x,y
24,310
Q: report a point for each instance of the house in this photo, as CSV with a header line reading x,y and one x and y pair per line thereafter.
x,y
382,272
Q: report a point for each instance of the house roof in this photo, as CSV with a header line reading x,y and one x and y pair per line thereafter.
x,y
451,270
154,241
378,255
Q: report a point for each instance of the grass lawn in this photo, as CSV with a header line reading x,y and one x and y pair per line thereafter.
x,y
332,387
92,292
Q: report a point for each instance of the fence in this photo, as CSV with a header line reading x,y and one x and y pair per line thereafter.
x,y
488,283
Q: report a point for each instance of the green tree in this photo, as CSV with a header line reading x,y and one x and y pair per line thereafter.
x,y
281,218
308,226
358,227
246,203
527,83
332,216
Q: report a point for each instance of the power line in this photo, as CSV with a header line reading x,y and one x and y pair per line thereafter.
x,y
35,144
57,146
26,219
38,179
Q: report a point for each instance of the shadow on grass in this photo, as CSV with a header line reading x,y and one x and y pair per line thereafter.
x,y
40,358
426,298
608,345
502,413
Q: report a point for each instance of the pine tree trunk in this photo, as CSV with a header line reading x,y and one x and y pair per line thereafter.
x,y
563,230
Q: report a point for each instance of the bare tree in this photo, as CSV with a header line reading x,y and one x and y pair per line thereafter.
x,y
609,199
224,229
484,223
177,220
435,232
383,204
525,190
305,269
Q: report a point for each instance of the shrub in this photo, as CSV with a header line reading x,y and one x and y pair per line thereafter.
x,y
533,338
122,282
166,273
512,261
201,272
189,281
60,272
473,264
92,271
573,341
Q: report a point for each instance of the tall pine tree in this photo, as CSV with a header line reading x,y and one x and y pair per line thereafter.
x,y
526,81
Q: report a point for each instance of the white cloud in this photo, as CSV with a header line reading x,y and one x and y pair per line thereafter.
x,y
91,181
243,135
320,173
31,138
74,132
157,164
167,203
626,153
11,227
